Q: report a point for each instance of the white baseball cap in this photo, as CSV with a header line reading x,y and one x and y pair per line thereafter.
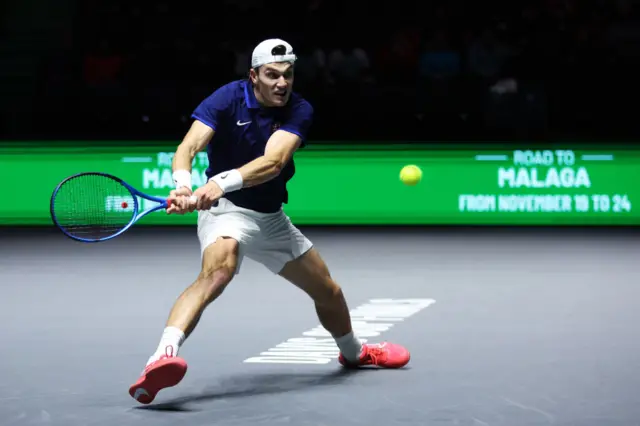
x,y
272,50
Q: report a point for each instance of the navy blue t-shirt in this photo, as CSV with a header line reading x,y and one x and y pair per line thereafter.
x,y
242,128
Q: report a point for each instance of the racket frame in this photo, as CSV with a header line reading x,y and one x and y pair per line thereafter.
x,y
136,214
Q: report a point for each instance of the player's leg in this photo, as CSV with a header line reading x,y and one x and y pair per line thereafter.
x,y
284,250
222,234
164,368
219,262
310,273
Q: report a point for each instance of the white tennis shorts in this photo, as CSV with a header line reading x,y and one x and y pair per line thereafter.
x,y
267,238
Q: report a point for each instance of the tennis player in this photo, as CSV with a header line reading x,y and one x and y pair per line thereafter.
x,y
251,129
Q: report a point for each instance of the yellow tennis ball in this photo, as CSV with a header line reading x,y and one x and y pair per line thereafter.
x,y
410,175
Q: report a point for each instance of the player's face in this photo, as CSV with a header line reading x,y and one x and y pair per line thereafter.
x,y
273,83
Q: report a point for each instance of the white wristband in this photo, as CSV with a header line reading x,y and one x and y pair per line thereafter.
x,y
182,178
229,181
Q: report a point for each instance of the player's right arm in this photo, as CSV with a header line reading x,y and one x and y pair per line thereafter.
x,y
206,119
196,139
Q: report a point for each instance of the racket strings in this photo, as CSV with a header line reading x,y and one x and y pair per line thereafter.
x,y
93,206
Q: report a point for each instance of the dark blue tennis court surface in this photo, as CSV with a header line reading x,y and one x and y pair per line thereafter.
x,y
510,328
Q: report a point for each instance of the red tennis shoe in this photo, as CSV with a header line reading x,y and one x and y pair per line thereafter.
x,y
385,355
165,372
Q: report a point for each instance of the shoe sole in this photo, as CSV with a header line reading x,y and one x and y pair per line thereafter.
x,y
168,373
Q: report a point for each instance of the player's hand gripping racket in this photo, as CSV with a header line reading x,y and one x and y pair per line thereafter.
x,y
92,207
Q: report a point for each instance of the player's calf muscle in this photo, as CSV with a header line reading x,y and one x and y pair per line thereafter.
x,y
331,306
214,281
327,293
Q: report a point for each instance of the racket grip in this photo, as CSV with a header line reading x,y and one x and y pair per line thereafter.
x,y
192,199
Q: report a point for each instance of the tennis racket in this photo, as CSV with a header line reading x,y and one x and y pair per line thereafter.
x,y
92,207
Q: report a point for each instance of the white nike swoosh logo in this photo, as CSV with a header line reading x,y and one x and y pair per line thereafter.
x,y
239,123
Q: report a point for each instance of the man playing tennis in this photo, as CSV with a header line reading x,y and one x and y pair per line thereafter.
x,y
251,129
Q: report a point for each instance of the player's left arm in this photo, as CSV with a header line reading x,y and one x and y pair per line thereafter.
x,y
279,150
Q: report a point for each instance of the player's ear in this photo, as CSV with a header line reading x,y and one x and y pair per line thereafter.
x,y
253,75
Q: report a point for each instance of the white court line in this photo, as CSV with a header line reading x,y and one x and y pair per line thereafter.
x,y
316,346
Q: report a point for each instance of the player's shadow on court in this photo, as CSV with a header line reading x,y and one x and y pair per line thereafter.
x,y
248,385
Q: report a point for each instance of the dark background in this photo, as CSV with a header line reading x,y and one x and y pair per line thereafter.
x,y
558,70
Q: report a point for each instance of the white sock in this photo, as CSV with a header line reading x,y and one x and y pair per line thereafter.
x,y
170,342
350,346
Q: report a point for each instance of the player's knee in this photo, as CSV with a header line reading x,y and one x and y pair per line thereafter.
x,y
218,268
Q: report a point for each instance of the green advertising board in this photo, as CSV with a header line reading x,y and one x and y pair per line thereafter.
x,y
355,184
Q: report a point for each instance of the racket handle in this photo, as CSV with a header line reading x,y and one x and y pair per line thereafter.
x,y
192,199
